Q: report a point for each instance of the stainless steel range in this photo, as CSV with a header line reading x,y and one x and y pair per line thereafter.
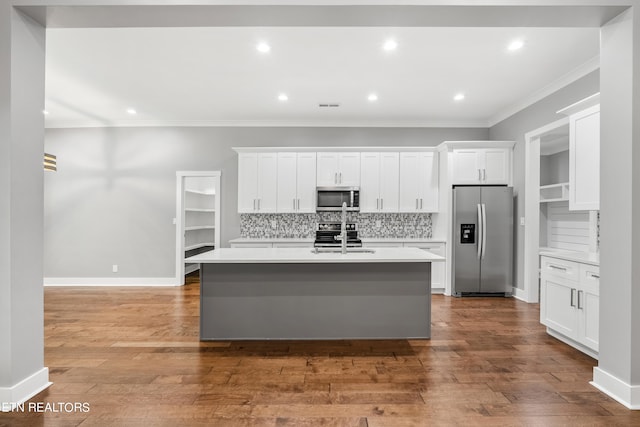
x,y
328,235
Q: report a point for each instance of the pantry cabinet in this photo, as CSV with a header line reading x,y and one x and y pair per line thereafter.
x,y
418,182
584,159
296,182
481,166
569,303
379,182
338,169
257,182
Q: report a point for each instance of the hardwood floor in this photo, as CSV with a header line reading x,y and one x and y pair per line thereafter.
x,y
133,355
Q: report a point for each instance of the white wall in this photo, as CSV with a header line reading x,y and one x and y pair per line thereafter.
x,y
112,200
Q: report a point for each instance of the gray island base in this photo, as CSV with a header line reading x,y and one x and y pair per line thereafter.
x,y
346,298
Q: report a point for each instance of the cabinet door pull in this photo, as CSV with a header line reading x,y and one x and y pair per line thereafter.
x,y
484,174
381,204
258,204
594,276
340,177
377,204
420,203
335,178
416,204
555,267
254,204
573,304
298,204
580,307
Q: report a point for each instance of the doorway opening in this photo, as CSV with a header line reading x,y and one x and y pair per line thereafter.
x,y
197,217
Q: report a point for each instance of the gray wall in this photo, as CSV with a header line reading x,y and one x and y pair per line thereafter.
x,y
554,168
22,46
112,200
514,128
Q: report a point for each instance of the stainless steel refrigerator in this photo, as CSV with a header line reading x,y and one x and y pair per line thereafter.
x,y
483,241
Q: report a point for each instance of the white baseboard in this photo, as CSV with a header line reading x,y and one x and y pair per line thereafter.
x,y
628,395
24,390
110,281
520,294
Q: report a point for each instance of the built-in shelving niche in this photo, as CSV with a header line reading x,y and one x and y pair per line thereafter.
x,y
198,217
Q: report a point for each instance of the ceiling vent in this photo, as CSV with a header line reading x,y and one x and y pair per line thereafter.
x,y
329,104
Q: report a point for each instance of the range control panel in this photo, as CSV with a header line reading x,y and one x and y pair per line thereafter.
x,y
467,233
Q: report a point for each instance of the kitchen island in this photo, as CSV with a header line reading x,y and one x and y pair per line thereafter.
x,y
293,293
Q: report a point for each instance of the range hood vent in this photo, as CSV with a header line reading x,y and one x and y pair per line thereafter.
x,y
328,104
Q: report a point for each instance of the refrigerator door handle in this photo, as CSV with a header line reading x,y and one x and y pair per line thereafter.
x,y
484,230
480,231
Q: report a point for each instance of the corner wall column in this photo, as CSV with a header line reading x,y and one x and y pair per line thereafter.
x,y
618,372
22,62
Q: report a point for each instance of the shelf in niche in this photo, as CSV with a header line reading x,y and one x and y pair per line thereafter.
x,y
198,246
199,227
201,192
554,192
199,210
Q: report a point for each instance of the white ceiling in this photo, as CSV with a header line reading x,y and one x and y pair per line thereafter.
x,y
215,76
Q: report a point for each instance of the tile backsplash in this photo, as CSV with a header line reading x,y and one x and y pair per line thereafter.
x,y
370,225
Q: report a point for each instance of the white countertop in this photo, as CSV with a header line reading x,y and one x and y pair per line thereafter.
x,y
583,257
311,239
298,255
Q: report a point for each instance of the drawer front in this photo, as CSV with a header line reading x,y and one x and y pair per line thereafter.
x,y
560,268
590,278
251,245
292,245
382,244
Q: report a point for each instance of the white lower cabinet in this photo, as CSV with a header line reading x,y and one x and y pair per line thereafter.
x,y
569,303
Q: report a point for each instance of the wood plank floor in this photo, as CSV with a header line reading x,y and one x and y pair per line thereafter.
x,y
133,355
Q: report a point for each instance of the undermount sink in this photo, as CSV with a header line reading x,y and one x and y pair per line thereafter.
x,y
338,250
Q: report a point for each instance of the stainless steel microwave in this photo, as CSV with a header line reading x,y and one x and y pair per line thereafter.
x,y
332,198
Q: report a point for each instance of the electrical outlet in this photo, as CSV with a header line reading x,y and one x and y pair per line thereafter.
x,y
174,221
521,220
378,223
274,224
115,268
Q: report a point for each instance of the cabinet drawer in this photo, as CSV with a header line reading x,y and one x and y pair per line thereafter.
x,y
382,244
560,268
590,277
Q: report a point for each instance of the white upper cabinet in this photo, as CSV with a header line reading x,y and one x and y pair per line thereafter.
x,y
296,182
338,169
257,182
584,159
481,166
379,182
418,182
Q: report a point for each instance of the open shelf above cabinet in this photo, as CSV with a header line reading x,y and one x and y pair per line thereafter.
x,y
554,192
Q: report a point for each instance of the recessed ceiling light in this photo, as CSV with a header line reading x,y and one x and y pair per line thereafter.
x,y
45,112
131,111
283,97
372,97
458,97
263,47
390,45
515,45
